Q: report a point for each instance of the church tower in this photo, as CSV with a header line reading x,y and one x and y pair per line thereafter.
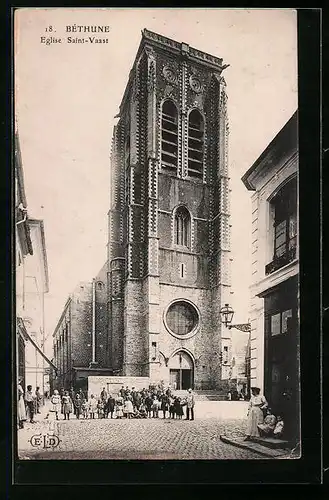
x,y
169,231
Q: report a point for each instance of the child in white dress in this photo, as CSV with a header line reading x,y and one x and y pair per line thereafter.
x,y
92,406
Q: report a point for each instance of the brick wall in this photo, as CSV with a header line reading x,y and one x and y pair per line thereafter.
x,y
81,324
75,347
135,360
116,333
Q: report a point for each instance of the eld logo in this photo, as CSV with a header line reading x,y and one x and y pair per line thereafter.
x,y
44,441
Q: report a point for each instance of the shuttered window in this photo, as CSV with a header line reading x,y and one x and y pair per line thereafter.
x,y
169,137
195,144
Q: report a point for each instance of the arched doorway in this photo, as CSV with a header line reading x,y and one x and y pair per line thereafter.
x,y
181,371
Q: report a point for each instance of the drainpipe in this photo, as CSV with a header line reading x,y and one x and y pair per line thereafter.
x,y
93,333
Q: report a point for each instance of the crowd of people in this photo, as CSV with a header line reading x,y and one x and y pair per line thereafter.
x,y
237,396
153,402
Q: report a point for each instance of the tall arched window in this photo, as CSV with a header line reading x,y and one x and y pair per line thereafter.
x,y
182,227
195,144
169,136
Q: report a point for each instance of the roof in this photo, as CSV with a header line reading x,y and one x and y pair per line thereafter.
x,y
102,273
286,139
176,48
59,322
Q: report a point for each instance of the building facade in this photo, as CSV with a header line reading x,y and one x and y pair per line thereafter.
x,y
31,269
275,274
169,219
80,339
23,247
36,285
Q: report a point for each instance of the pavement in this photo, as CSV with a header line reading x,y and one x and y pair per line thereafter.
x,y
139,438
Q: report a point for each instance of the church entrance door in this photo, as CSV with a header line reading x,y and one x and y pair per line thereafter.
x,y
181,371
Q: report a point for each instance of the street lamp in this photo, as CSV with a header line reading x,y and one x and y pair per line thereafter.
x,y
227,314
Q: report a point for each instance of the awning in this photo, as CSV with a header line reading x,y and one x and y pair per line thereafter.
x,y
21,325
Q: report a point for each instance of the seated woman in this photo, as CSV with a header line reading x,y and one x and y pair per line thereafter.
x,y
142,411
279,428
136,413
268,426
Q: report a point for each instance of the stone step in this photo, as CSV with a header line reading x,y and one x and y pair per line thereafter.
x,y
256,447
204,395
218,397
272,442
201,393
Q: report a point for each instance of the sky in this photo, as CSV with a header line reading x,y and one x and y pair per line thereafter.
x,y
66,98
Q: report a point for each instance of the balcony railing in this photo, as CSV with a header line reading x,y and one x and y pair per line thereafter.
x,y
281,261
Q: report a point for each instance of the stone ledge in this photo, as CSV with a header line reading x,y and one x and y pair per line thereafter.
x,y
273,443
256,447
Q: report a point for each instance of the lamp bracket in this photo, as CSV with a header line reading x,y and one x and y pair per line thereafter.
x,y
243,327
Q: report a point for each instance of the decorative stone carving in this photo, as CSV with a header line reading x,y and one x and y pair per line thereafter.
x,y
196,84
149,50
198,102
169,75
169,92
151,80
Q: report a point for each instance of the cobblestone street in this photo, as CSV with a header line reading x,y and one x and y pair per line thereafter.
x,y
139,439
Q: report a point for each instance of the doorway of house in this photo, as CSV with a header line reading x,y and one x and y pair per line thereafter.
x,y
281,355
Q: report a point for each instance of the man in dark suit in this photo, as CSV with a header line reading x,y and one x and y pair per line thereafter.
x,y
109,407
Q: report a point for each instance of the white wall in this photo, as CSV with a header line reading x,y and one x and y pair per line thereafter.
x,y
33,313
268,183
114,384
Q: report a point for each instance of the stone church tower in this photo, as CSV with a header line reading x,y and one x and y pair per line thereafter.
x,y
169,231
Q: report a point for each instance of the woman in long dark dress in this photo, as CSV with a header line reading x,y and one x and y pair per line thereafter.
x,y
78,406
179,409
67,405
